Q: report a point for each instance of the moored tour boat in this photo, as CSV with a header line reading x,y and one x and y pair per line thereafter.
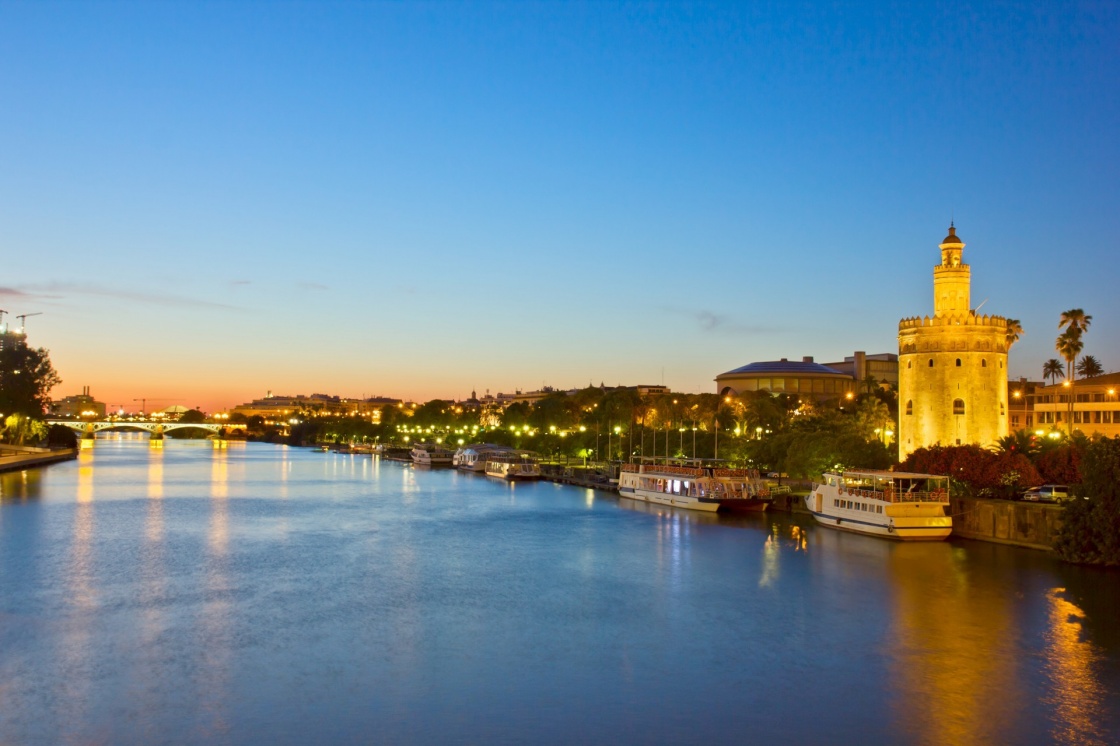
x,y
430,454
473,457
698,487
895,505
514,465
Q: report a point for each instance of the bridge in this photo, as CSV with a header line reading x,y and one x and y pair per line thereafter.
x,y
155,427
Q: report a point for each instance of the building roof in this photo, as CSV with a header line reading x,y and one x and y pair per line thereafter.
x,y
952,237
785,367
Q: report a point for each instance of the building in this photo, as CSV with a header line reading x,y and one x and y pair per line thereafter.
x,y
1020,404
79,406
1094,407
807,380
882,368
952,366
281,408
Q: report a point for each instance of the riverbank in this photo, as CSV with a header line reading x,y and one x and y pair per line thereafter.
x,y
17,458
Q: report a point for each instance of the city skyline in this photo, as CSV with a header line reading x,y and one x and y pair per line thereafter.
x,y
417,200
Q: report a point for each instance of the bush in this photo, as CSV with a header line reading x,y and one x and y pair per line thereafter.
x,y
60,436
1090,532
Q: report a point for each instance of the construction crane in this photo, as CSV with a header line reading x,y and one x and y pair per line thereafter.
x,y
144,402
3,328
23,320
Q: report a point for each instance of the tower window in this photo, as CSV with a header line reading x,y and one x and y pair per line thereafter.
x,y
909,364
1002,411
931,362
958,406
983,363
958,362
910,407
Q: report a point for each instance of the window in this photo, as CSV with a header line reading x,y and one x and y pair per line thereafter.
x,y
958,406
931,362
910,406
983,363
1002,410
958,362
909,364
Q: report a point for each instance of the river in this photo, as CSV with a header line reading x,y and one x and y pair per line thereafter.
x,y
263,594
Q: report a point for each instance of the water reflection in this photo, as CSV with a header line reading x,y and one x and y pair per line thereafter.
x,y
1073,665
217,608
21,485
953,646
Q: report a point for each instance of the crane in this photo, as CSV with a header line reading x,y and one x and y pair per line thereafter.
x,y
3,328
144,402
23,320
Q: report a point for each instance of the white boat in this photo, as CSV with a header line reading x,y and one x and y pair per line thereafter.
x,y
473,457
513,466
895,505
694,486
430,454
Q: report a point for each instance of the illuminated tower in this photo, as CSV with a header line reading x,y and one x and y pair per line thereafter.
x,y
952,366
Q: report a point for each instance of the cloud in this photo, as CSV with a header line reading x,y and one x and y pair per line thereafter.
x,y
313,286
60,291
718,323
240,282
14,293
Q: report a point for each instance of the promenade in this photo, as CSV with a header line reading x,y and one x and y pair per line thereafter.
x,y
16,458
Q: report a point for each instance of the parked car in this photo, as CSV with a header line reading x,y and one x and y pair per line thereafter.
x,y
1047,493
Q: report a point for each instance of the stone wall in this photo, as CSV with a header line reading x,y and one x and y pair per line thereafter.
x,y
1033,525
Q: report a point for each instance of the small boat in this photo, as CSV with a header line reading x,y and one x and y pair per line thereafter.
x,y
473,457
515,465
431,454
695,485
895,505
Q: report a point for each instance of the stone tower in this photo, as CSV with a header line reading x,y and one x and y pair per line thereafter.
x,y
952,366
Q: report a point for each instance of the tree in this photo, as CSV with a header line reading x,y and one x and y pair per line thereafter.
x,y
1089,367
1090,531
193,417
26,378
1014,332
1053,369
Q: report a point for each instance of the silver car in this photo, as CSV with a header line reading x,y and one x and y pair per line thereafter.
x,y
1047,493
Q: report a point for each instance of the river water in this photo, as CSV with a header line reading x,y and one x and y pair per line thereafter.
x,y
263,594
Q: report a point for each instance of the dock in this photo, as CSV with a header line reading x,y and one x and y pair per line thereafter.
x,y
18,458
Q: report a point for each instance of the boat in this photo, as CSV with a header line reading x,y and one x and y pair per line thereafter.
x,y
431,454
473,457
896,505
514,465
695,485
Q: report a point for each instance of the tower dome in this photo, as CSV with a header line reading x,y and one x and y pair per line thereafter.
x,y
952,239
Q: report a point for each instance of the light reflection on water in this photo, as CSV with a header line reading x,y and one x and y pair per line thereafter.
x,y
260,593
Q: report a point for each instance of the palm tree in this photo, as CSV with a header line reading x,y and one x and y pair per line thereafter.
x,y
1089,367
1069,346
1014,331
1053,369
1075,318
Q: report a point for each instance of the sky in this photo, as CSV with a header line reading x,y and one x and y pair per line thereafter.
x,y
208,201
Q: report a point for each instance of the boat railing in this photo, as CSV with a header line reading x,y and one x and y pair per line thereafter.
x,y
890,496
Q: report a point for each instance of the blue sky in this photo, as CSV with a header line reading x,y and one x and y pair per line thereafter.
x,y
212,200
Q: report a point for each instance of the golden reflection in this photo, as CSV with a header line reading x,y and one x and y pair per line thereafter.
x,y
85,476
1076,694
155,475
953,648
219,475
21,484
